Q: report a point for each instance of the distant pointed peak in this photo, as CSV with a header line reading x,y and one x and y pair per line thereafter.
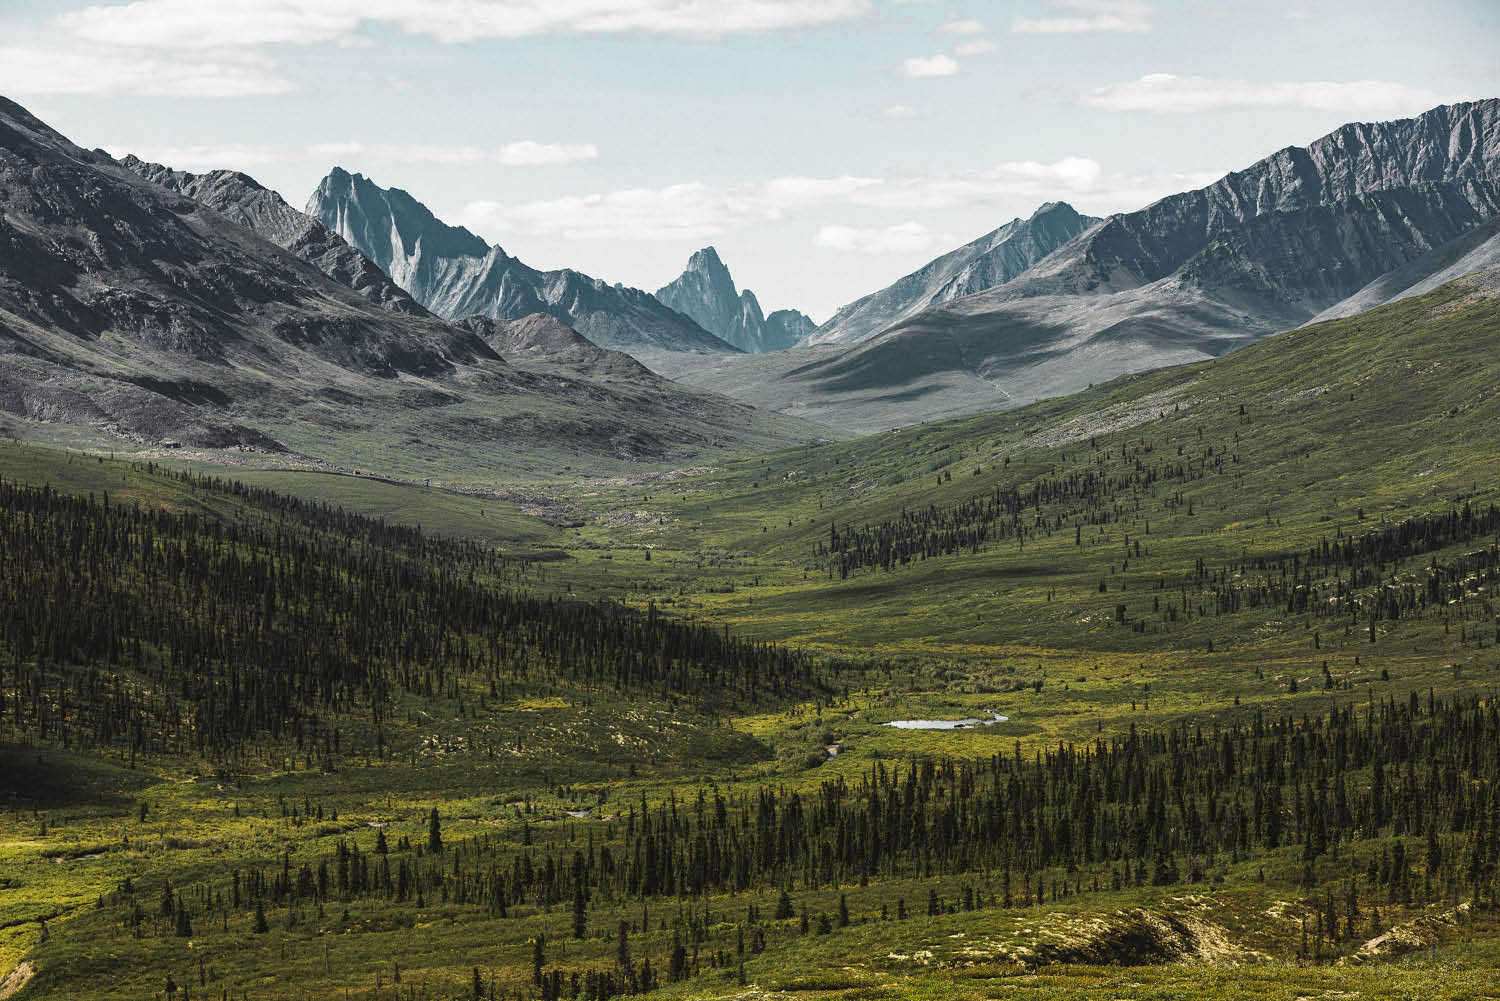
x,y
1054,208
707,262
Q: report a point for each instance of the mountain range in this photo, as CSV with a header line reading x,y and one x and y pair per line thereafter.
x,y
1348,222
706,292
455,274
993,259
162,309
203,310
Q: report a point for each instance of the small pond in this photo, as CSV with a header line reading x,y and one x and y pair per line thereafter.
x,y
946,724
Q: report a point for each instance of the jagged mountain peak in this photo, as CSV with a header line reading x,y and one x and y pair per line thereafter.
x,y
407,218
133,308
706,259
456,274
1447,158
706,292
244,200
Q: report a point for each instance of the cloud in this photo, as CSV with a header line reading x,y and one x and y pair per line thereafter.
x,y
695,210
1080,181
181,23
690,210
319,150
89,70
1121,17
1165,93
903,238
901,111
534,154
939,65
196,159
967,26
977,47
800,192
676,212
524,153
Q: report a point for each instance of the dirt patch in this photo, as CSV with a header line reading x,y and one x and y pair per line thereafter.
x,y
552,510
1410,936
1117,417
648,479
637,520
1135,937
12,982
1307,394
1130,937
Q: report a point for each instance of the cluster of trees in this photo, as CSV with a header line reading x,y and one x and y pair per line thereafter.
x,y
169,631
1364,577
1405,794
1102,493
1354,577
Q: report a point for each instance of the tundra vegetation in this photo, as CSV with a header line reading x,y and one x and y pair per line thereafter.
x,y
267,733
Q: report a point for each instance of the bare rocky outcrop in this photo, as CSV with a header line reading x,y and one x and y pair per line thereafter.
x,y
19,976
455,274
543,339
1422,932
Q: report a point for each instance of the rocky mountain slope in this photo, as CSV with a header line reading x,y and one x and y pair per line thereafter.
x,y
244,200
991,260
1189,277
542,340
1476,250
148,319
706,292
455,274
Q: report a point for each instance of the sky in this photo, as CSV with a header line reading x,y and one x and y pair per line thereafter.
x,y
824,147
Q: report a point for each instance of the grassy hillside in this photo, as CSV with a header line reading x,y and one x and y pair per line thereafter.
x,y
1234,762
1341,429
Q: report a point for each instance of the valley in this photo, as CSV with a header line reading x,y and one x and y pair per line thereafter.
x,y
1108,608
1223,473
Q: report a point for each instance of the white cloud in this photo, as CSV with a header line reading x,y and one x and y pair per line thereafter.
x,y
524,153
678,211
1163,92
901,111
939,65
197,159
89,70
182,24
1077,180
903,238
967,26
695,210
800,192
318,150
1122,17
534,154
977,47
